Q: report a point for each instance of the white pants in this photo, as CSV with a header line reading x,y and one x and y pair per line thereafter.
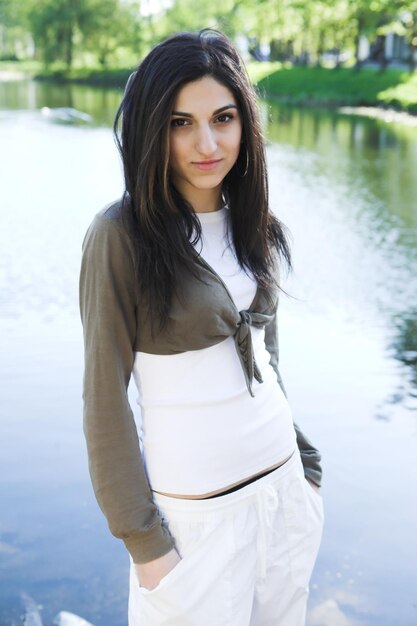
x,y
247,556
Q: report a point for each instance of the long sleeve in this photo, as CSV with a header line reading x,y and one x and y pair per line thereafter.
x,y
108,313
310,456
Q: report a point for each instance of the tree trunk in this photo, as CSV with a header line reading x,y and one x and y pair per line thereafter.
x,y
360,23
320,47
383,63
413,58
103,56
69,48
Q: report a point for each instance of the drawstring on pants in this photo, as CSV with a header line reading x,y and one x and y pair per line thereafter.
x,y
267,503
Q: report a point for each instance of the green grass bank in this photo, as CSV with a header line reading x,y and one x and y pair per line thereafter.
x,y
394,89
391,89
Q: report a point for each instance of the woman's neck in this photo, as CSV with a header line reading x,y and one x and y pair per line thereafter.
x,y
204,200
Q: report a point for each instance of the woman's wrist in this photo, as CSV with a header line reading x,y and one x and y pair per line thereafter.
x,y
150,574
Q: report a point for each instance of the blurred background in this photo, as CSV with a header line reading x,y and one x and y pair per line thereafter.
x,y
338,98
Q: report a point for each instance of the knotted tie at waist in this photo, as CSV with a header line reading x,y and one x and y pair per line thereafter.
x,y
244,345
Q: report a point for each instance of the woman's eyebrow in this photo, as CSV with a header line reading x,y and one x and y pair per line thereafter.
x,y
228,106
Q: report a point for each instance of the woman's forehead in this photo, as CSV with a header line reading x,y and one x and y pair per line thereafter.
x,y
206,94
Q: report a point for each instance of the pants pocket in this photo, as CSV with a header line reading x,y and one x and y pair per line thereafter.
x,y
188,537
303,512
316,495
195,591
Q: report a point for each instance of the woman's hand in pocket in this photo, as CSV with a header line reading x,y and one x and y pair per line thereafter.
x,y
150,574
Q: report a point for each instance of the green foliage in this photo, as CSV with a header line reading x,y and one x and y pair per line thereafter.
x,y
196,14
104,32
403,95
10,13
14,36
297,30
107,25
53,25
64,29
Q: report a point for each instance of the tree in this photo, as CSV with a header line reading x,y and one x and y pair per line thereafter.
x,y
14,30
106,25
61,27
408,18
54,25
368,16
196,14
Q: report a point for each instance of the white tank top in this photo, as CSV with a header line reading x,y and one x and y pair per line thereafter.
x,y
201,429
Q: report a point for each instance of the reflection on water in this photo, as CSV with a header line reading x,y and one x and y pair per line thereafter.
x,y
346,189
99,102
356,179
404,348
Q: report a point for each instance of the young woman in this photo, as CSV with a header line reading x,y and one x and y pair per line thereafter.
x,y
217,501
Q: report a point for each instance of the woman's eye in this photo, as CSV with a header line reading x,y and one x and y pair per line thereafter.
x,y
225,117
178,123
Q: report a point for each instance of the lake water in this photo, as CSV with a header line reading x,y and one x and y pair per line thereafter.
x,y
346,188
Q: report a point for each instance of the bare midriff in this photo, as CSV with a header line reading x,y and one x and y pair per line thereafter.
x,y
219,491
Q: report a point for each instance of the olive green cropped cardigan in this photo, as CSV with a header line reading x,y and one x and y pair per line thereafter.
x,y
116,325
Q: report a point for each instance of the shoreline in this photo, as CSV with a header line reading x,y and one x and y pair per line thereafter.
x,y
382,112
12,75
388,114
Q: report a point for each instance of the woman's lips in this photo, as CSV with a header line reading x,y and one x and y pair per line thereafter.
x,y
206,165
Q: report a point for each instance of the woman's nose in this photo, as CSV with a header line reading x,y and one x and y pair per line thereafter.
x,y
206,142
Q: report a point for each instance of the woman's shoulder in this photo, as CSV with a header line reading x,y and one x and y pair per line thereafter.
x,y
108,231
111,215
110,221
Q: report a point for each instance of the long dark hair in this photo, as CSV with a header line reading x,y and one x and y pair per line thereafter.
x,y
160,221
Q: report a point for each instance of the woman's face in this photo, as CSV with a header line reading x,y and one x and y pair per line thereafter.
x,y
205,136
